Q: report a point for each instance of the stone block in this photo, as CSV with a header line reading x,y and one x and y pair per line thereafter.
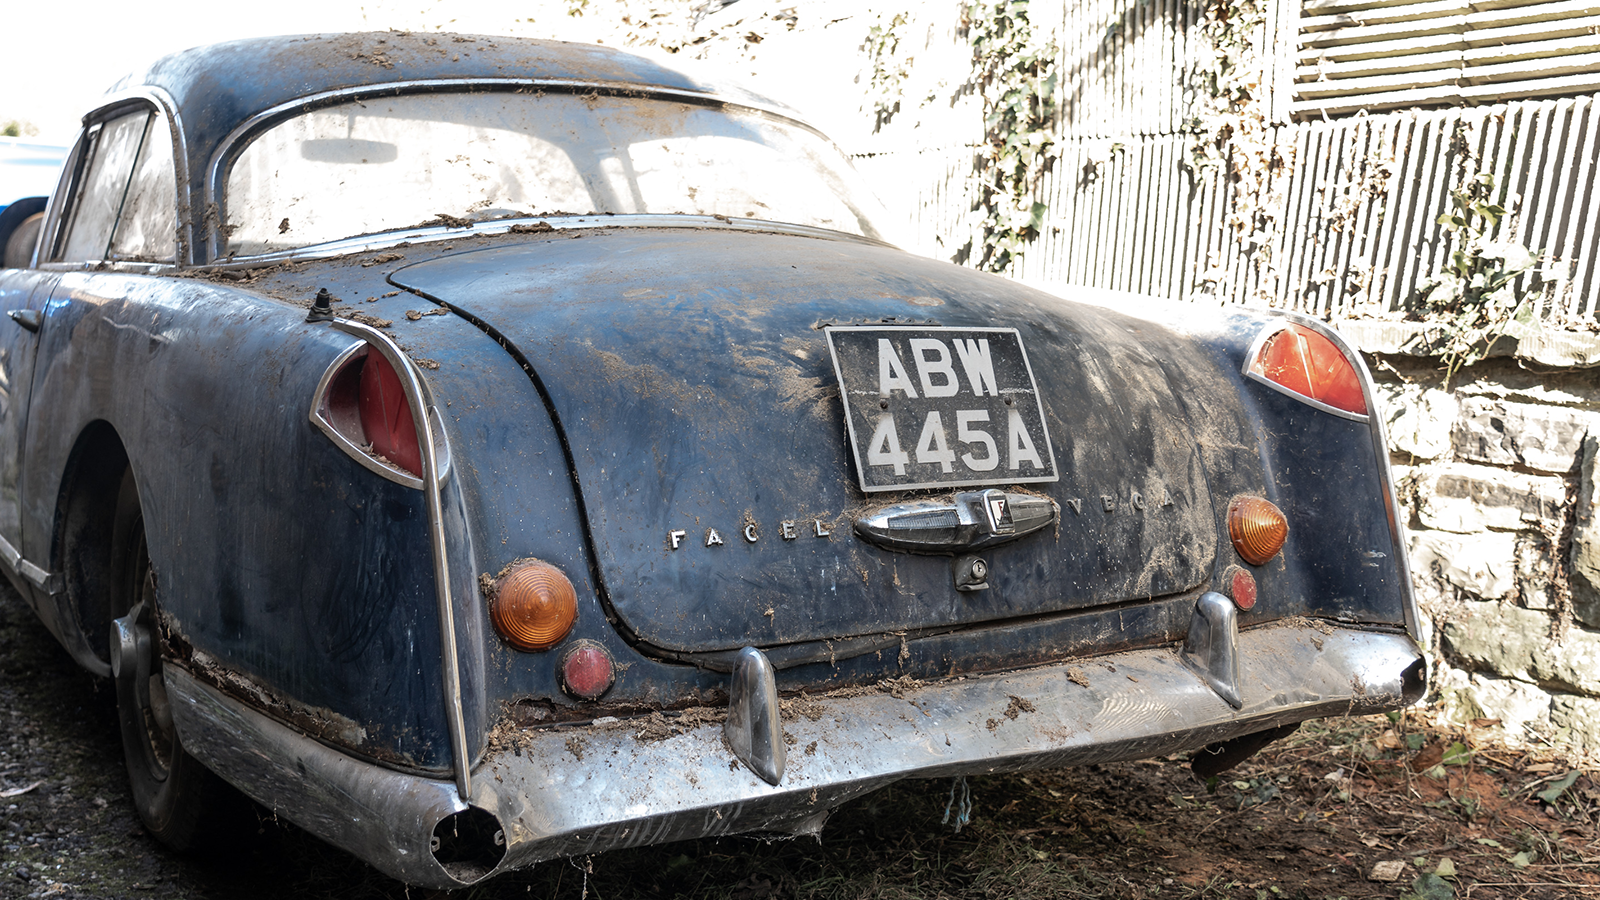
x,y
1512,642
1417,419
1535,563
1586,539
1465,498
1523,709
1576,721
1543,438
1483,564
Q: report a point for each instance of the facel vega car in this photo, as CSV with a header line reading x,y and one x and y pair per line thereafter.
x,y
482,451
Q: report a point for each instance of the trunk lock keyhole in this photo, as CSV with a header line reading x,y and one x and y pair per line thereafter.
x,y
971,573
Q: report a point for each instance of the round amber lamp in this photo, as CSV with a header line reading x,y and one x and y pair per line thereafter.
x,y
1258,529
534,606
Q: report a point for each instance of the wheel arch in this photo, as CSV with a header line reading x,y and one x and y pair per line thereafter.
x,y
81,542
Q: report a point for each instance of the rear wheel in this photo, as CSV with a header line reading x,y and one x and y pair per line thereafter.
x,y
180,801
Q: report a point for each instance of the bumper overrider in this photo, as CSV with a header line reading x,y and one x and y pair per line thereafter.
x,y
575,790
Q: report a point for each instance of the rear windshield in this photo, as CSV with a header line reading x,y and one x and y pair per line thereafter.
x,y
380,164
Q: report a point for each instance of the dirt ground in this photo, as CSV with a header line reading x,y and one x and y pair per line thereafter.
x,y
1354,809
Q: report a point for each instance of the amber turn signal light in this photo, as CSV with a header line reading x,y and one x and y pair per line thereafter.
x,y
1258,529
534,606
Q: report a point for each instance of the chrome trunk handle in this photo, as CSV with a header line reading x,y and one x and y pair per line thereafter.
x,y
970,520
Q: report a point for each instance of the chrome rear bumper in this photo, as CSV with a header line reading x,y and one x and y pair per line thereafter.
x,y
582,789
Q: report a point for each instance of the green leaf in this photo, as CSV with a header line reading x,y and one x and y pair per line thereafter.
x,y
1457,754
1447,869
1558,787
1415,741
1432,887
1521,860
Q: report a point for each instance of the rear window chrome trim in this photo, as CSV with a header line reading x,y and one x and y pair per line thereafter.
x,y
433,234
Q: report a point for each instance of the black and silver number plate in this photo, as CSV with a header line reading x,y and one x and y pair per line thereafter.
x,y
940,407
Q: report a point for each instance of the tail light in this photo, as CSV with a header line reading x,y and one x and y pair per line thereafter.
x,y
1300,360
534,605
386,415
587,670
1258,529
361,405
1240,587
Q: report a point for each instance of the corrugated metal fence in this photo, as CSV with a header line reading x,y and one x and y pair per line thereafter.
x,y
1351,219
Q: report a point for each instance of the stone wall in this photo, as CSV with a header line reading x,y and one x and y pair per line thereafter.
x,y
1498,480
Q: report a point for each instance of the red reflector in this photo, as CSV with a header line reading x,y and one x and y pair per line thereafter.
x,y
386,416
586,670
1241,587
1310,365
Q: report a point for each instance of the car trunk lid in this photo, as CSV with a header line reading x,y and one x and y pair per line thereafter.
x,y
691,374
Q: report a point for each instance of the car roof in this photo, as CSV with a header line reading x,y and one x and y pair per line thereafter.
x,y
215,88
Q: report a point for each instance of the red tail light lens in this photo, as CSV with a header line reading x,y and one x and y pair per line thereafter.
x,y
386,415
1307,363
361,406
587,671
1241,587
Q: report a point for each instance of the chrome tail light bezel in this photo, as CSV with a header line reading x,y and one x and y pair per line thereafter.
x,y
343,427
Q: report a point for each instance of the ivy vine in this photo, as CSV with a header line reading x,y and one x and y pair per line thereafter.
x,y
1476,293
1014,70
1232,130
889,72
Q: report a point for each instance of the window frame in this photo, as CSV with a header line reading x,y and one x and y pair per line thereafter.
x,y
64,200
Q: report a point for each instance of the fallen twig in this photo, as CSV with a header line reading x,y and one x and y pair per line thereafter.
x,y
18,792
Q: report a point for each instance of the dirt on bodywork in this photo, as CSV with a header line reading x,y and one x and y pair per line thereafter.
x,y
1353,808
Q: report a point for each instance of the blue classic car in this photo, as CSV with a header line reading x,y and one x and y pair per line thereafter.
x,y
483,450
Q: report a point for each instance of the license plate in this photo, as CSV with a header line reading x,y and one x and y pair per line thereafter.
x,y
940,407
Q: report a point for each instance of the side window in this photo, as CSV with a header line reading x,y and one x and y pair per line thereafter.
x,y
147,229
122,207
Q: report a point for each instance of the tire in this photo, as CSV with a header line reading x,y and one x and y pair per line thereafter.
x,y
18,253
179,800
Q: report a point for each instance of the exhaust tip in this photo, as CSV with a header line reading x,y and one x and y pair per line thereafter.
x,y
469,844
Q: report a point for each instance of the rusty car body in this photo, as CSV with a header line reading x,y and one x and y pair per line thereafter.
x,y
485,450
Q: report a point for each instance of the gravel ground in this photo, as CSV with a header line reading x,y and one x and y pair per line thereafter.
x,y
1434,814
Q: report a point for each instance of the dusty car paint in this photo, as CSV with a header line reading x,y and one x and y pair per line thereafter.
x,y
648,404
